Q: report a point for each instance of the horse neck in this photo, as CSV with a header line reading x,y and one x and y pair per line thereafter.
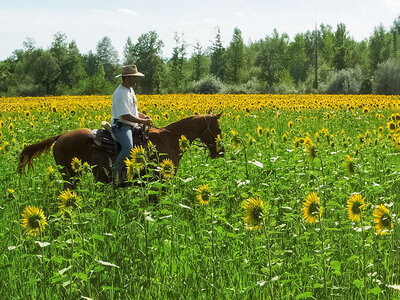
x,y
191,128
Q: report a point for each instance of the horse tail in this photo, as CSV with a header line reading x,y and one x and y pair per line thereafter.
x,y
32,151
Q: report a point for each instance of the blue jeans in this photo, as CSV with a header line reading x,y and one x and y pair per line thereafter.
x,y
123,134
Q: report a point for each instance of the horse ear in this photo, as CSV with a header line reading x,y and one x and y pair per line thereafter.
x,y
219,115
196,113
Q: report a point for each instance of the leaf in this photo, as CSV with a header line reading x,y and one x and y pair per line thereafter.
x,y
396,287
64,270
358,283
42,245
304,295
335,264
374,291
256,163
106,263
97,237
184,206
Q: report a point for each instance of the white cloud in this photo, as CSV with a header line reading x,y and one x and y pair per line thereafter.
x,y
393,4
240,14
128,11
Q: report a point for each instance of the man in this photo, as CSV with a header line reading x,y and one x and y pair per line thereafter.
x,y
125,116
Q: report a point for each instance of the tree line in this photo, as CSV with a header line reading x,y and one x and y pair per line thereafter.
x,y
323,60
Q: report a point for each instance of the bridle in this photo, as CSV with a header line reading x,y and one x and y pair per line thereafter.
x,y
207,130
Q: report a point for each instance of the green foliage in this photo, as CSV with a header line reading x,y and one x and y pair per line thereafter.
x,y
344,82
387,78
218,58
207,85
234,57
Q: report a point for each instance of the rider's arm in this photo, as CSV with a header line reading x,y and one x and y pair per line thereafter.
x,y
134,119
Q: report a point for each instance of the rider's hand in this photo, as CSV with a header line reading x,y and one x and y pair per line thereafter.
x,y
146,122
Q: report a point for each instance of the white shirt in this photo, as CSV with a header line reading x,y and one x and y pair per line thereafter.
x,y
124,103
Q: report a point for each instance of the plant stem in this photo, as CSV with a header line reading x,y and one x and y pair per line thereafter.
x,y
267,237
322,232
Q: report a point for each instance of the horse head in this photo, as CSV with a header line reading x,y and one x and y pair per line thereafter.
x,y
211,135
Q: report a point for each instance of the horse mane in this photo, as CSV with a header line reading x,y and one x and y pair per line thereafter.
x,y
179,124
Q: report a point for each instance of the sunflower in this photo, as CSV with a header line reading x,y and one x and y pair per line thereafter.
x,y
382,219
218,142
253,213
50,174
76,165
235,139
350,165
259,130
391,126
138,157
290,124
184,143
167,168
204,194
151,149
33,220
68,201
355,207
312,211
310,148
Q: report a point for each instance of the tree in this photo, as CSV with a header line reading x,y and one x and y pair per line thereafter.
x,y
198,58
107,54
297,59
218,63
341,50
176,75
91,63
129,52
148,59
379,47
234,57
272,57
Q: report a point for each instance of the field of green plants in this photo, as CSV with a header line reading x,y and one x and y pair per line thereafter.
x,y
303,205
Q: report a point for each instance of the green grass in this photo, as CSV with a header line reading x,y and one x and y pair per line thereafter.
x,y
121,246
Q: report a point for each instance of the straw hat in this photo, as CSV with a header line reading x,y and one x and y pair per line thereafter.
x,y
130,70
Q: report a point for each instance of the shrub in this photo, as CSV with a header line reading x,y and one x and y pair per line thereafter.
x,y
344,82
207,85
387,78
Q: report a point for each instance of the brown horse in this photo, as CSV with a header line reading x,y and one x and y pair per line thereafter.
x,y
79,143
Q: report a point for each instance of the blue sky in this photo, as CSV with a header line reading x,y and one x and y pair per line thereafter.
x,y
86,22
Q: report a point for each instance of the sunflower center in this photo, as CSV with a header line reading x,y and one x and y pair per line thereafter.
x,y
256,214
70,203
34,221
386,221
356,208
205,195
314,209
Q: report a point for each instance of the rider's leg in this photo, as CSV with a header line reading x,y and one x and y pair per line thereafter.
x,y
123,134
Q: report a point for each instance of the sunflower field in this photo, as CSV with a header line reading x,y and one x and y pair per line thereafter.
x,y
304,204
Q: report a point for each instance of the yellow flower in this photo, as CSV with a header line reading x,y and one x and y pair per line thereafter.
x,y
312,211
253,213
138,157
218,143
290,124
235,139
151,149
50,174
382,219
309,146
76,165
184,143
355,207
350,165
391,126
204,194
68,201
259,130
167,168
33,220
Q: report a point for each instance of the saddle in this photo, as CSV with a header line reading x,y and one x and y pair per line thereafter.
x,y
105,140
